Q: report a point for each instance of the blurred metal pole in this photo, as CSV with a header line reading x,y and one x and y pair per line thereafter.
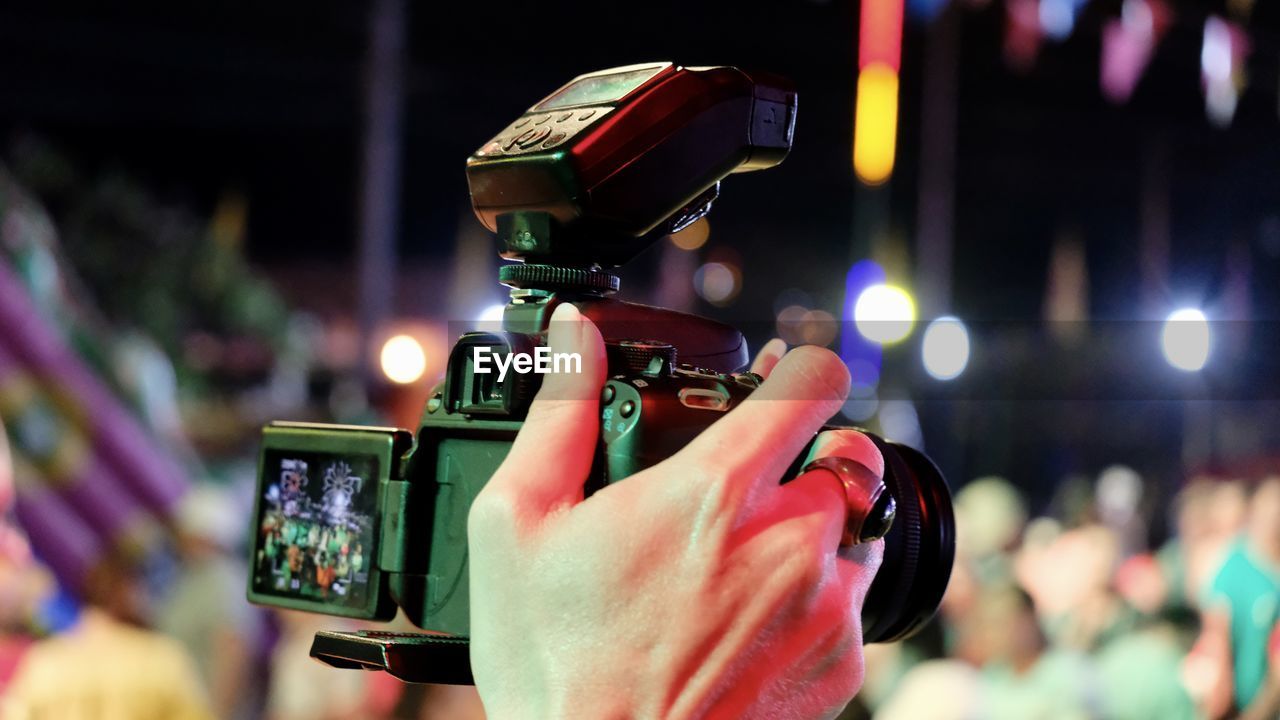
x,y
380,172
936,208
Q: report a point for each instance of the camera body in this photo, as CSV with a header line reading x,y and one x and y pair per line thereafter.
x,y
646,415
357,521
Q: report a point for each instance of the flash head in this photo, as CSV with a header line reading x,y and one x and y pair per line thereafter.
x,y
615,159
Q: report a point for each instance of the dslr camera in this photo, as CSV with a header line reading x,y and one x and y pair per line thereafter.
x,y
359,521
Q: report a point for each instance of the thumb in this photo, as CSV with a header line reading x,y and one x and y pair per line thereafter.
x,y
552,454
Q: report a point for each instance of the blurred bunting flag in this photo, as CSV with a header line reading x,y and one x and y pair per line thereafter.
x,y
89,477
1128,43
1022,33
1222,74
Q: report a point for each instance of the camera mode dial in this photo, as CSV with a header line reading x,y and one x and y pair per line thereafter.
x,y
644,357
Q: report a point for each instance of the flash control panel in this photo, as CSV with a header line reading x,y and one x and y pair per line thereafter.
x,y
542,131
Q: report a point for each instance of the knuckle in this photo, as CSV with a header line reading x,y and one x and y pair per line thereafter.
x,y
840,437
721,491
824,370
854,445
494,507
805,560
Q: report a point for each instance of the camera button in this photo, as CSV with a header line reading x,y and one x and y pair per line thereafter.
x,y
704,399
607,395
627,409
533,137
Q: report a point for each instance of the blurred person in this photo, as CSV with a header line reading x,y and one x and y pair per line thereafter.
x,y
935,690
957,612
1070,578
23,584
1242,606
25,587
1266,704
303,689
990,517
1209,513
109,666
205,608
1141,583
1025,678
1138,674
438,702
1118,497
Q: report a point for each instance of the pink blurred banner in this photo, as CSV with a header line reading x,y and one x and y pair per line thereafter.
x,y
100,478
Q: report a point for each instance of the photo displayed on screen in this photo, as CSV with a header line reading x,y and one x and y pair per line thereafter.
x,y
315,527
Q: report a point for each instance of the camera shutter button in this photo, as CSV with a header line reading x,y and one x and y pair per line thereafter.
x,y
627,409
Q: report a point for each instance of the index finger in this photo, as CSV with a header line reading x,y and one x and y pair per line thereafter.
x,y
755,442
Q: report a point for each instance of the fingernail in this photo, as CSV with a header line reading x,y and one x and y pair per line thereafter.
x,y
565,332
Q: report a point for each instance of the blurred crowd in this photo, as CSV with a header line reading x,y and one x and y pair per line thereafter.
x,y
1075,615
1063,617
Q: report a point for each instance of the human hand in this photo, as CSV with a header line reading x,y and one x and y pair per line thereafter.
x,y
699,588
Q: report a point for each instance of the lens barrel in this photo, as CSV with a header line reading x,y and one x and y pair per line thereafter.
x,y
918,550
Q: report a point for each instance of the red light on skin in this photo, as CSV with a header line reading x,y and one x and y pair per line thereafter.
x,y
880,33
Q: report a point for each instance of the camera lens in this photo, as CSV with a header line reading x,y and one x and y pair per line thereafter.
x,y
918,549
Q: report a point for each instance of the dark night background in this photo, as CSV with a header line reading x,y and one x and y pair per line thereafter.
x,y
266,99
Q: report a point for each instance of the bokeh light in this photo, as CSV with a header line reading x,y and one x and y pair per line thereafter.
x,y
875,124
1186,339
900,423
403,360
819,328
945,349
490,319
798,325
1057,18
717,283
863,402
790,324
863,370
884,314
692,237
